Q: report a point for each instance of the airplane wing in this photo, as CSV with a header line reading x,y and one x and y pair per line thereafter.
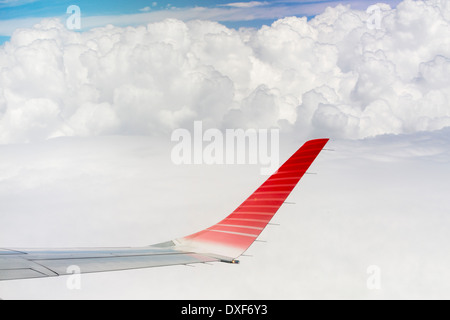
x,y
224,241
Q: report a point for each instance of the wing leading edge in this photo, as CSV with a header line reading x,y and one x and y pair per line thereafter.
x,y
224,241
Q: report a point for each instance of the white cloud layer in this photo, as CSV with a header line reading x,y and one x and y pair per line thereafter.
x,y
331,76
381,201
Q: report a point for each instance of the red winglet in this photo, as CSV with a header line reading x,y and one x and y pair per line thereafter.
x,y
233,235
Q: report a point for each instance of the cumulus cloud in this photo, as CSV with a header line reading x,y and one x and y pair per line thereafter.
x,y
332,75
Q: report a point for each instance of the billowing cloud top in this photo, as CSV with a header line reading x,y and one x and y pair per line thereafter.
x,y
345,73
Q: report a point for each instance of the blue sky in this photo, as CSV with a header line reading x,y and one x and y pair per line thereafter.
x,y
25,13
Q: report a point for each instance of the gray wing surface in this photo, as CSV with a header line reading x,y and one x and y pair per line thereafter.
x,y
36,263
